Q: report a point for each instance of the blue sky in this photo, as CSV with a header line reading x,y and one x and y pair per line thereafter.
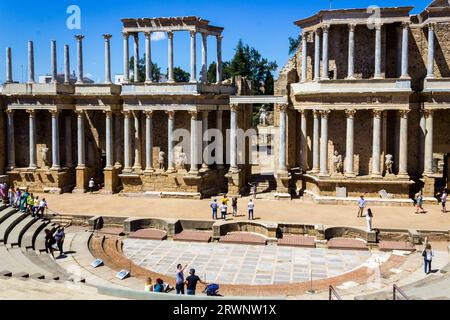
x,y
263,24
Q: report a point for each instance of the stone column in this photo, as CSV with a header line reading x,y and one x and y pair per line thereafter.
x,y
204,57
219,59
118,140
54,62
126,58
428,152
194,143
80,75
32,138
170,128
377,51
204,142
316,139
10,140
193,57
303,141
9,77
66,64
109,139
324,142
325,62
233,138
405,62
136,58
148,57
81,139
170,56
351,51
376,143
317,55
350,114
107,58
219,151
68,140
422,137
430,62
126,141
282,133
149,141
55,139
137,141
304,56
30,62
403,146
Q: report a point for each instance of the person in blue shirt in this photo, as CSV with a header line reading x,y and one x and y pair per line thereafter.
x,y
361,206
179,286
214,205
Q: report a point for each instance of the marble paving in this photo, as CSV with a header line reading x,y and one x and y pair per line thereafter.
x,y
243,264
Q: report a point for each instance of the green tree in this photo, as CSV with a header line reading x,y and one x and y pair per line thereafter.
x,y
294,43
180,75
156,70
212,73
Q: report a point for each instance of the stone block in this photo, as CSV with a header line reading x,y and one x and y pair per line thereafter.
x,y
414,236
95,223
371,237
341,192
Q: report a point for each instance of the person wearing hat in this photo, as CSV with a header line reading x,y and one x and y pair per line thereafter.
x,y
191,282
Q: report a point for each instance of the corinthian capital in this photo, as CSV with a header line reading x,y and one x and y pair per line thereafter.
x,y
350,113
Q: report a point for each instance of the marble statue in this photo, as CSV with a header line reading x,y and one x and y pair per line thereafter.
x,y
263,116
337,162
182,159
161,157
44,156
389,163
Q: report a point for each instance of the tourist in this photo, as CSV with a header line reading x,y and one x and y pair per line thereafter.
x,y
361,206
30,203
59,237
23,201
91,185
234,201
179,285
223,211
214,205
419,203
251,207
191,282
41,208
11,196
3,191
369,217
254,188
159,286
444,201
225,199
148,285
49,242
18,196
427,255
35,206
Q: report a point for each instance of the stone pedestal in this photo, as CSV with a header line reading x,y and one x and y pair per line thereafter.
x,y
283,185
111,180
235,182
81,180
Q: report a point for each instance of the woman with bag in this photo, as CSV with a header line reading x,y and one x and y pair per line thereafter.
x,y
427,255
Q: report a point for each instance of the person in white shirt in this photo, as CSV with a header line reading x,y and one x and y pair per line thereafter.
x,y
91,185
427,254
369,217
361,205
223,211
251,207
444,200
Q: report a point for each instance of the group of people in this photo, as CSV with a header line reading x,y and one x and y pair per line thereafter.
x,y
362,204
223,207
54,241
419,201
27,202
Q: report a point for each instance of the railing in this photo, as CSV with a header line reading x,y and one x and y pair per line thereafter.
x,y
396,289
333,293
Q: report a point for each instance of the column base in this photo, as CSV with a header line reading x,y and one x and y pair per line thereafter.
x,y
350,175
110,180
171,170
376,175
81,179
324,174
405,77
403,176
430,77
350,78
149,171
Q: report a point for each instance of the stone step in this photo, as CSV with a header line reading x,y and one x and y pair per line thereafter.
x,y
16,234
6,213
8,224
30,235
45,261
28,265
7,263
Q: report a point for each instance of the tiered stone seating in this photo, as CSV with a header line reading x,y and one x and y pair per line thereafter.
x,y
292,240
151,234
243,238
395,245
193,236
346,244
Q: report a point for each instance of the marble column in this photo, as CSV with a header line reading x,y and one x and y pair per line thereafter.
x,y
204,141
193,56
317,55
81,139
303,141
148,57
170,57
405,51
233,138
219,151
9,76
422,137
54,62
126,58
55,139
351,51
428,147
430,62
304,56
170,128
109,139
32,138
10,140
137,141
68,141
80,75
316,140
324,142
30,62
118,140
66,64
194,143
282,134
376,143
136,58
204,57
107,38
325,61
377,51
349,145
149,141
219,59
403,145
126,141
